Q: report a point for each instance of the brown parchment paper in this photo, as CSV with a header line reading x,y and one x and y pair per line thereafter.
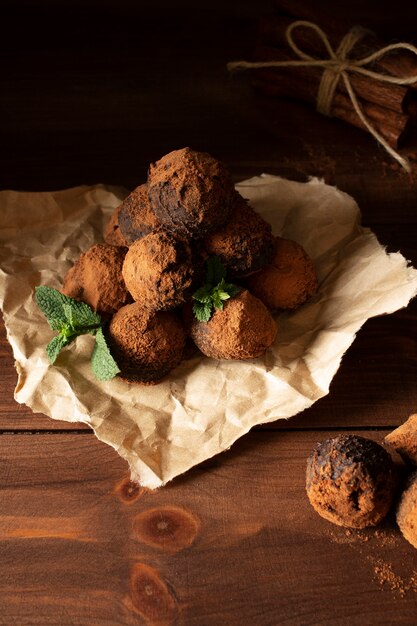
x,y
204,405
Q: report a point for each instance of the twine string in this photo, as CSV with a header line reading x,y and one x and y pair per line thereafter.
x,y
337,67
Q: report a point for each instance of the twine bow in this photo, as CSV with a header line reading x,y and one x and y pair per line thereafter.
x,y
336,67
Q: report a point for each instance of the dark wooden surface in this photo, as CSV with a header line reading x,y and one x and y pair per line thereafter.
x,y
92,92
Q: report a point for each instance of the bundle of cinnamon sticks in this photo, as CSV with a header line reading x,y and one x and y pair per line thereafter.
x,y
390,108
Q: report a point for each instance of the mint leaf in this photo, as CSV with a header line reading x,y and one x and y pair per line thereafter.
x,y
215,271
232,290
55,346
214,292
82,316
202,294
51,301
72,318
202,311
102,363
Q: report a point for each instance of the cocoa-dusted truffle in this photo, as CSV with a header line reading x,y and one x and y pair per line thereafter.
x,y
145,345
243,329
158,270
112,233
290,279
407,511
190,192
245,243
351,481
96,278
136,217
404,440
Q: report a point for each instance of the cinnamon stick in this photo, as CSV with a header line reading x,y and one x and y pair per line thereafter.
x,y
272,33
302,83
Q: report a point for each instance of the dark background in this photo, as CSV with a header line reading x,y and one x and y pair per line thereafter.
x,y
93,91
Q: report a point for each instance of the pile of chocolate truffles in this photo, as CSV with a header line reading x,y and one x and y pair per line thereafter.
x,y
157,243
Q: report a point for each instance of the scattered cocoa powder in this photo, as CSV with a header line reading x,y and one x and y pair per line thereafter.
x,y
96,278
191,192
244,329
245,243
289,280
385,576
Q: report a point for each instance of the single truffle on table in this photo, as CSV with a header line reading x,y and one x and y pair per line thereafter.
x,y
404,440
112,233
351,481
289,280
145,345
243,329
407,511
96,278
159,270
190,192
136,217
244,244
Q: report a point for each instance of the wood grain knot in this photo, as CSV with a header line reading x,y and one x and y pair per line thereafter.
x,y
169,528
129,491
151,596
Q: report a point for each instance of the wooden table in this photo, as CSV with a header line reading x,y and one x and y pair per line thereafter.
x,y
92,92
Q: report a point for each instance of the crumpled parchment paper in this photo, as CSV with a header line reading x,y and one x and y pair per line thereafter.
x,y
204,405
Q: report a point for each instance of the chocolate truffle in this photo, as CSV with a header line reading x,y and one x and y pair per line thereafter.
x,y
190,192
351,481
407,511
96,278
112,233
290,279
404,440
243,329
245,243
136,217
158,270
145,345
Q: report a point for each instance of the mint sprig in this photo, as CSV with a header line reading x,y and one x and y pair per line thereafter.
x,y
214,292
71,319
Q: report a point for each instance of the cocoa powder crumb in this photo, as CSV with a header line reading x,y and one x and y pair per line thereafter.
x,y
385,576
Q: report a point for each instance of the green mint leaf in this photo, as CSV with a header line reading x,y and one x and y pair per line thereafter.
x,y
202,311
55,346
231,289
102,363
202,294
64,313
69,314
214,292
215,271
51,301
83,316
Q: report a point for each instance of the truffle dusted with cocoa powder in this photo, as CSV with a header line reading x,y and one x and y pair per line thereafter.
x,y
407,511
243,329
136,217
158,270
245,243
351,481
404,440
190,192
289,280
96,278
145,345
112,233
